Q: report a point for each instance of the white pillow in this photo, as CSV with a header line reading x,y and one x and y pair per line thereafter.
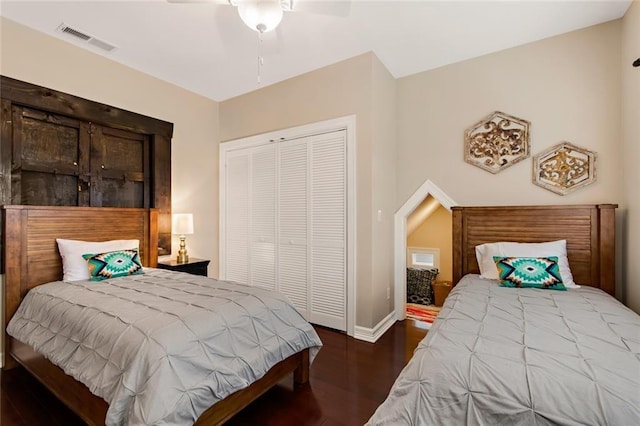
x,y
489,270
74,267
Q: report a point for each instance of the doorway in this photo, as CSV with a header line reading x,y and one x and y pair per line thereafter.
x,y
401,218
429,259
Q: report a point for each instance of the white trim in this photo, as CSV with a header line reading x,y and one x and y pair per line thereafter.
x,y
400,239
350,123
222,218
347,123
372,335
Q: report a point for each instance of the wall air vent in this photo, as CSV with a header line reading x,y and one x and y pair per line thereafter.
x,y
83,36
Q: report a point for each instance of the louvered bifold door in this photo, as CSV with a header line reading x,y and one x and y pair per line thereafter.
x,y
293,198
262,251
236,259
285,222
328,176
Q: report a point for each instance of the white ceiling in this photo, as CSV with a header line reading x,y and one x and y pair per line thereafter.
x,y
205,47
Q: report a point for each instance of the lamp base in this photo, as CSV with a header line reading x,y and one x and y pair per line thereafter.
x,y
183,257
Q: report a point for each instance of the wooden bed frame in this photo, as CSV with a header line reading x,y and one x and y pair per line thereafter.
x,y
588,229
31,258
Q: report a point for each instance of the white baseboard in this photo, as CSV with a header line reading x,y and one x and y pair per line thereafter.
x,y
371,335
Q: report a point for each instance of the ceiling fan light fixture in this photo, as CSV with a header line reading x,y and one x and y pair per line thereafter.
x,y
260,15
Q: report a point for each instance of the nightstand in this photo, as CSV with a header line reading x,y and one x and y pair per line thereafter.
x,y
441,290
193,266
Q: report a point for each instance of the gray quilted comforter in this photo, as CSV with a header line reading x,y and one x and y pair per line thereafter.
x,y
505,356
163,346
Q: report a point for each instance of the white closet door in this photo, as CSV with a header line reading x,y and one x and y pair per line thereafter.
x,y
285,213
328,229
293,224
237,260
263,217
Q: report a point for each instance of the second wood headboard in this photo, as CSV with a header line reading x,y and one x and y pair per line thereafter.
x,y
588,229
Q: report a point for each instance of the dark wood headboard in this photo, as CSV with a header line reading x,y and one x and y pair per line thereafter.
x,y
30,253
588,229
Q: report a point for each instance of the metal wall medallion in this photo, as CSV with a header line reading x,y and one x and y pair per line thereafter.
x,y
564,168
496,142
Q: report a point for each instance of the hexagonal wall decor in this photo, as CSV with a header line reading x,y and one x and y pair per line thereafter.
x,y
564,168
496,142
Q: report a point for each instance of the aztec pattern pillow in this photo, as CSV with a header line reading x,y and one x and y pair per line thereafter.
x,y
536,272
74,267
113,264
486,252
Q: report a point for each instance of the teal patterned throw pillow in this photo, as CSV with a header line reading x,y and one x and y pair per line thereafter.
x,y
113,264
536,272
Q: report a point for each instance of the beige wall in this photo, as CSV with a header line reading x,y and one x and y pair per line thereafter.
x,y
46,61
631,152
337,90
383,189
436,232
567,86
360,86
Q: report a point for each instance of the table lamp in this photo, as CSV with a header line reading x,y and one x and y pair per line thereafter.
x,y
182,225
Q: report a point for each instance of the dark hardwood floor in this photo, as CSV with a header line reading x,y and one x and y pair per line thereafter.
x,y
348,380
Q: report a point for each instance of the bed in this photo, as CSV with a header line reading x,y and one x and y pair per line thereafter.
x,y
499,355
31,259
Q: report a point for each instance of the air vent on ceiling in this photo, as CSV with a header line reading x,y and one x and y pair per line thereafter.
x,y
87,38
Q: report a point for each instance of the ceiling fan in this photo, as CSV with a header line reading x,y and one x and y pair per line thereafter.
x,y
265,15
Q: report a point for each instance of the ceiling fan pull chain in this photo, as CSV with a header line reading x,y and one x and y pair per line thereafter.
x,y
260,57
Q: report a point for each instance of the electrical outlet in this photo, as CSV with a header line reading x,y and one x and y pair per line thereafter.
x,y
388,293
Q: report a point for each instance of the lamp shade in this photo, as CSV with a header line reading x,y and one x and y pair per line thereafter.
x,y
260,15
182,223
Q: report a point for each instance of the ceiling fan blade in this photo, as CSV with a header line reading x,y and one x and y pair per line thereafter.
x,y
323,7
